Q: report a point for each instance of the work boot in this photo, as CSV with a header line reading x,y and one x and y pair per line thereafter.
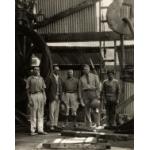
x,y
51,128
33,133
74,118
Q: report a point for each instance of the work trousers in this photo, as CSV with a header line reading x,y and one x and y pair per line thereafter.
x,y
71,101
54,112
88,97
37,112
111,112
96,117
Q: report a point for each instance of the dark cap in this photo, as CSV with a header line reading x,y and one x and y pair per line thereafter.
x,y
110,71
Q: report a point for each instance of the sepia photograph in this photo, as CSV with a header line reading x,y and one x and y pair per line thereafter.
x,y
74,74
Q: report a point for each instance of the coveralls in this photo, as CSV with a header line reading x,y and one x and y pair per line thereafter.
x,y
35,86
71,95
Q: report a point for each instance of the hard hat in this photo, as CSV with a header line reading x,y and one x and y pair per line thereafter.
x,y
62,108
35,61
95,103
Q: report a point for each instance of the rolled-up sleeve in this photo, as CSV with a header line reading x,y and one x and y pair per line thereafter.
x,y
28,83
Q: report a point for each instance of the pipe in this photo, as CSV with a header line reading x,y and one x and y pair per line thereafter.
x,y
128,22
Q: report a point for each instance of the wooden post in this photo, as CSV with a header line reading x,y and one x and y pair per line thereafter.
x,y
100,46
122,52
115,49
122,64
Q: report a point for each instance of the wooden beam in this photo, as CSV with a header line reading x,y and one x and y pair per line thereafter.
x,y
65,13
108,60
78,49
83,37
101,135
104,7
64,49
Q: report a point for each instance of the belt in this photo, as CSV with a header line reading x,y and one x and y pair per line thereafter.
x,y
112,94
36,92
87,90
71,92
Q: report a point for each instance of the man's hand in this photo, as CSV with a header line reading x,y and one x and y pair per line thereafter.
x,y
30,104
99,98
56,97
44,97
82,103
117,102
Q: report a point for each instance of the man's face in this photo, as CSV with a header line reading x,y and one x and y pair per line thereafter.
x,y
56,70
36,71
86,70
110,76
70,73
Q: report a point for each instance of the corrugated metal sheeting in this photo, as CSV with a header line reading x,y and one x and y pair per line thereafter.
x,y
127,101
75,58
129,94
82,21
129,55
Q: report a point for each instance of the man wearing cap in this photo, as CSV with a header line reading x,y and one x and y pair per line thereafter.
x,y
89,90
35,86
71,95
110,93
54,94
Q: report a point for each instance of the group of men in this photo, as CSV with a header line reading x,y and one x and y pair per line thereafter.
x,y
84,91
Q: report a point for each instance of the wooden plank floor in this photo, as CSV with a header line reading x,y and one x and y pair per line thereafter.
x,y
26,142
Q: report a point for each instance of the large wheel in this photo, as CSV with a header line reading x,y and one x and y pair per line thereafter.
x,y
39,43
117,12
22,62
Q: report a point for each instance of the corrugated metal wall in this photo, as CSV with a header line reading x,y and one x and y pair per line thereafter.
x,y
127,101
82,21
129,92
129,55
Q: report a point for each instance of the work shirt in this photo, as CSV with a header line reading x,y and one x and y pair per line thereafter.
x,y
71,85
35,84
111,90
56,78
90,82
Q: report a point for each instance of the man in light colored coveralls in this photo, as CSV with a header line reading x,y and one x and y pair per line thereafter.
x,y
71,95
35,86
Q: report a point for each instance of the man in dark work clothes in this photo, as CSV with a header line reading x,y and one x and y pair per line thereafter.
x,y
54,95
110,92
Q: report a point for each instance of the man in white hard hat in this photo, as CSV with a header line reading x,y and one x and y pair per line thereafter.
x,y
35,86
